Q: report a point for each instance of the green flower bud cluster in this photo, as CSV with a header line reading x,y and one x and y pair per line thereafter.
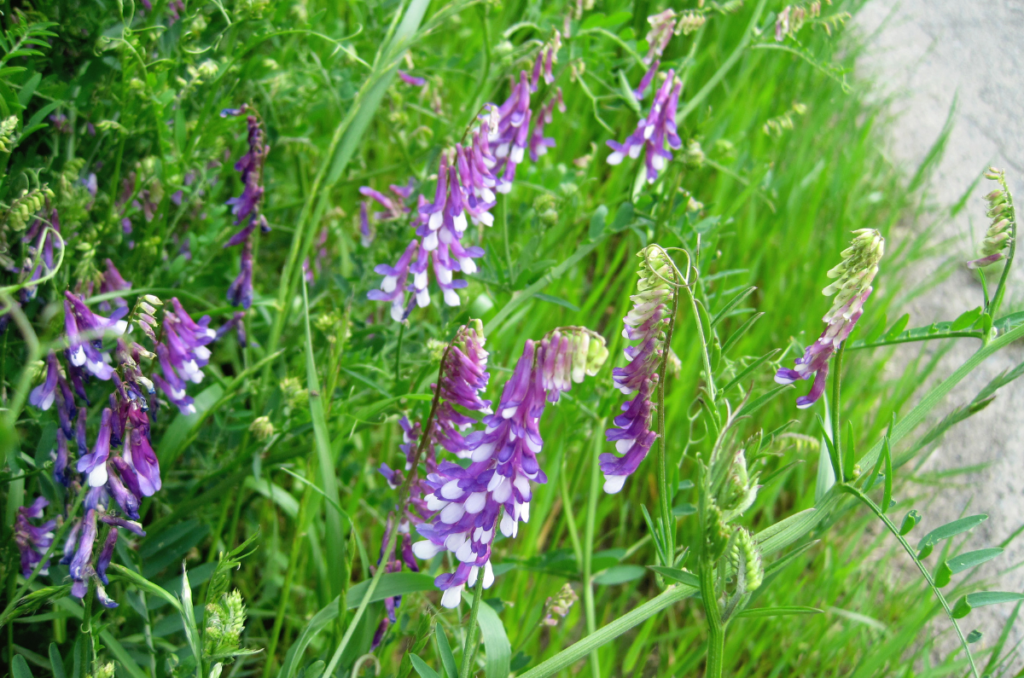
x,y
694,156
261,428
717,532
294,394
559,605
746,560
656,272
1004,223
24,207
7,139
740,489
225,621
587,349
855,274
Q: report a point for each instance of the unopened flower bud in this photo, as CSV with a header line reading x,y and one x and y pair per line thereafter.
x,y
261,428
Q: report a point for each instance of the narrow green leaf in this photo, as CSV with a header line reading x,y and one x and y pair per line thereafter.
x,y
445,652
763,612
966,320
56,662
887,491
966,561
337,554
974,636
126,661
749,369
620,574
597,222
499,650
19,667
984,598
421,667
740,331
188,616
733,303
757,403
391,584
682,576
897,328
626,93
144,584
293,658
951,530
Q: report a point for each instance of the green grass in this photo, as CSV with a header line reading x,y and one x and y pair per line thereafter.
x,y
781,209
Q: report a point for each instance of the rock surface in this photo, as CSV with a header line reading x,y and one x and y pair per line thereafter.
x,y
925,54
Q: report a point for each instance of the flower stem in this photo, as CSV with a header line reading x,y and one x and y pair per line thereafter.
x,y
588,547
403,500
469,651
837,378
665,493
716,629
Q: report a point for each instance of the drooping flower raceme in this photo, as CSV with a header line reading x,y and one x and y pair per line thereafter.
x,y
999,235
246,207
503,461
851,289
468,179
644,326
33,540
463,377
654,132
120,467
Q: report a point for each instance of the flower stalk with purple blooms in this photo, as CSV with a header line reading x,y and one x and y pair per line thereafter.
x,y
467,502
654,132
246,207
855,274
120,468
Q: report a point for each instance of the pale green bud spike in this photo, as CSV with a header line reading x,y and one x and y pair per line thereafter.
x,y
753,565
853,277
1000,232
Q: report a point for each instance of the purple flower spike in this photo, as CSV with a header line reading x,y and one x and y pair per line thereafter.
x,y
60,463
113,282
644,325
539,144
106,554
654,132
663,27
546,57
246,209
852,289
33,541
80,565
240,293
412,79
392,287
94,464
42,396
646,80
85,332
466,502
139,453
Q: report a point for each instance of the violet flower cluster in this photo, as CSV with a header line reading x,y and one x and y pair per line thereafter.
x,y
644,325
392,208
654,132
469,177
246,207
658,128
852,289
493,492
120,468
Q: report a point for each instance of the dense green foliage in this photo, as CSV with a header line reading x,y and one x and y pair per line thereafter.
x,y
272,488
